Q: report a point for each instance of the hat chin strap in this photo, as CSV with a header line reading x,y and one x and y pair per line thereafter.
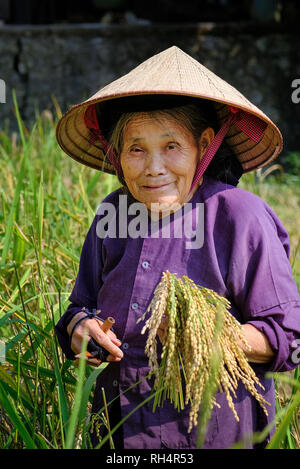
x,y
211,151
249,124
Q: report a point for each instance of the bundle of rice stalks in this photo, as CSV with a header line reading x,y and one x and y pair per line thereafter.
x,y
201,347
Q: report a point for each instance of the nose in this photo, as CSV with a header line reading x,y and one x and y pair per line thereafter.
x,y
155,164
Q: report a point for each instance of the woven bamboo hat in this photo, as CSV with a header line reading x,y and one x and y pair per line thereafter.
x,y
253,137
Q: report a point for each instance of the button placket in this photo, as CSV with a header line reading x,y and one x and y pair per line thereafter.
x,y
137,302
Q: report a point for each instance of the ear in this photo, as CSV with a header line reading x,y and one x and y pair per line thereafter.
x,y
205,140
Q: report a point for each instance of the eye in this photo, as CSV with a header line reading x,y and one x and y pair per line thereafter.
x,y
172,146
135,150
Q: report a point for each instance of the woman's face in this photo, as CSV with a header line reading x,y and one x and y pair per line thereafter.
x,y
158,159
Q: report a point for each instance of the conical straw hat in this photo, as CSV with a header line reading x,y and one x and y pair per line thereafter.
x,y
172,72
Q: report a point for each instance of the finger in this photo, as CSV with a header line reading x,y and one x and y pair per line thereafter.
x,y
107,340
113,358
110,334
108,344
117,342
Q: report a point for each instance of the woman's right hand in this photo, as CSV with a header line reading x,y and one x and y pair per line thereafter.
x,y
92,326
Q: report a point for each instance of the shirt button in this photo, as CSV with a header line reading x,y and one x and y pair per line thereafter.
x,y
115,383
145,264
125,346
135,305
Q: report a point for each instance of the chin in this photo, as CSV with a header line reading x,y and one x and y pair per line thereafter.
x,y
164,204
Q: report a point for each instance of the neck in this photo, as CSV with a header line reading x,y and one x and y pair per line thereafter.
x,y
194,189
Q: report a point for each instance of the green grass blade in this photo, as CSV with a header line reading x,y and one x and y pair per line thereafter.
x,y
72,426
109,435
12,212
40,217
10,389
87,390
85,200
11,411
19,120
282,429
63,405
44,372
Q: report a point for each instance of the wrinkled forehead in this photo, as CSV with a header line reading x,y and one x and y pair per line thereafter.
x,y
141,124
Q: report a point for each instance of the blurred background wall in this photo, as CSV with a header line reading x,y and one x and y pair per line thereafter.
x,y
70,49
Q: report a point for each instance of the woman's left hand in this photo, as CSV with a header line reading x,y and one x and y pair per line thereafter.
x,y
261,351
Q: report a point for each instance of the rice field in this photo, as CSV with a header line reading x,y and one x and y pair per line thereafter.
x,y
47,202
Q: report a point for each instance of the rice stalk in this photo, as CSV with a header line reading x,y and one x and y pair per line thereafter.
x,y
210,355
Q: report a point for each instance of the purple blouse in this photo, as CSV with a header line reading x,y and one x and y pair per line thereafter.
x,y
244,257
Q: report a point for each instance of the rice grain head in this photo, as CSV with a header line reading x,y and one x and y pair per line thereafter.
x,y
191,343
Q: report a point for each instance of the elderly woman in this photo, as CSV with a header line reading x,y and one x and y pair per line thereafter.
x,y
165,139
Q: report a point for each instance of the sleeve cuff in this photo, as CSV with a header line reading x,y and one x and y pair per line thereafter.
x,y
279,342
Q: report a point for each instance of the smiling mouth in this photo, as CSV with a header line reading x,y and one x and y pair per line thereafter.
x,y
152,188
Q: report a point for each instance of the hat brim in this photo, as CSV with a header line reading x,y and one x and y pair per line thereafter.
x,y
199,83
